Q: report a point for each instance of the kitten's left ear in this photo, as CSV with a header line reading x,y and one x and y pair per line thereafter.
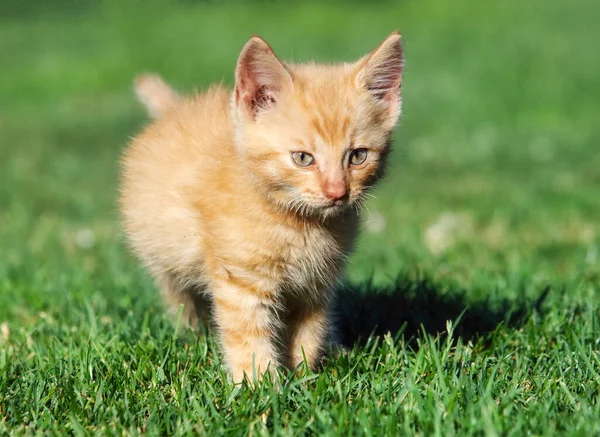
x,y
380,73
259,77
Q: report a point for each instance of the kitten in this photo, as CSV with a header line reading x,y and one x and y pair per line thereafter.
x,y
247,202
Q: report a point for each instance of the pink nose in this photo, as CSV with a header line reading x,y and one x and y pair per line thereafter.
x,y
335,192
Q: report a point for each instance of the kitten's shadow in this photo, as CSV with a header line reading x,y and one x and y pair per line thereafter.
x,y
412,306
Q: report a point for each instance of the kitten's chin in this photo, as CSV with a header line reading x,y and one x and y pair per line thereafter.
x,y
323,211
313,209
332,211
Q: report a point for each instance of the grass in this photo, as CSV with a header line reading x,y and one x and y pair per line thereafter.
x,y
479,254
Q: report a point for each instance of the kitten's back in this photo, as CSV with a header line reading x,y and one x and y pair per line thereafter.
x,y
162,170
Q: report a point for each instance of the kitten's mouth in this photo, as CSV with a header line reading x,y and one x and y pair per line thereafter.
x,y
318,207
335,204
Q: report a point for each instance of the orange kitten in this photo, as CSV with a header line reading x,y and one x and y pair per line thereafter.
x,y
246,202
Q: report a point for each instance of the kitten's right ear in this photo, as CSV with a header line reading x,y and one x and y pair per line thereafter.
x,y
380,73
259,77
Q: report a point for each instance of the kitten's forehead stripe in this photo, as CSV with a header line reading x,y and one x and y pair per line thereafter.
x,y
329,103
266,157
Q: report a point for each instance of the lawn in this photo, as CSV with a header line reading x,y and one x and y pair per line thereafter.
x,y
479,255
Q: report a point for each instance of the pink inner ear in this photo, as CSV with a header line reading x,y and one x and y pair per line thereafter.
x,y
262,99
386,86
259,77
385,80
381,73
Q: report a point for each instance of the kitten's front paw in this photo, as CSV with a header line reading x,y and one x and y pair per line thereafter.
x,y
252,375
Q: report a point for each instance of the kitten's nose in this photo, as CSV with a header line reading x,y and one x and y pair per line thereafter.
x,y
335,191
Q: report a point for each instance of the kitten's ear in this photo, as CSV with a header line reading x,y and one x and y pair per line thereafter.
x,y
380,73
259,77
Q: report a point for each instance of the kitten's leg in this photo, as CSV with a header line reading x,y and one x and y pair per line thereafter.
x,y
195,304
310,329
248,324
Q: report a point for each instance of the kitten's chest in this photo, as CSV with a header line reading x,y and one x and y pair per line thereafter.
x,y
310,262
314,257
277,256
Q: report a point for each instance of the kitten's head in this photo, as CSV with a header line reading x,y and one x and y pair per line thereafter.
x,y
315,137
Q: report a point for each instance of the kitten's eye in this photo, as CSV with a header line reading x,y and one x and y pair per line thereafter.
x,y
358,156
302,159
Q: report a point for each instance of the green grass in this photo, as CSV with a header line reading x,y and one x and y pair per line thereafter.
x,y
500,136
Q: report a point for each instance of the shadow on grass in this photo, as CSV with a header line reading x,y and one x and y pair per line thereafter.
x,y
412,306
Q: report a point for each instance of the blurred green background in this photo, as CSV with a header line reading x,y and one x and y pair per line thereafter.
x,y
493,188
497,146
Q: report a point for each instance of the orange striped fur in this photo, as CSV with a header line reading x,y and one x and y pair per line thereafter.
x,y
216,207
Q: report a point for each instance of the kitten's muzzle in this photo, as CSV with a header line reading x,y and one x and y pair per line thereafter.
x,y
335,192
